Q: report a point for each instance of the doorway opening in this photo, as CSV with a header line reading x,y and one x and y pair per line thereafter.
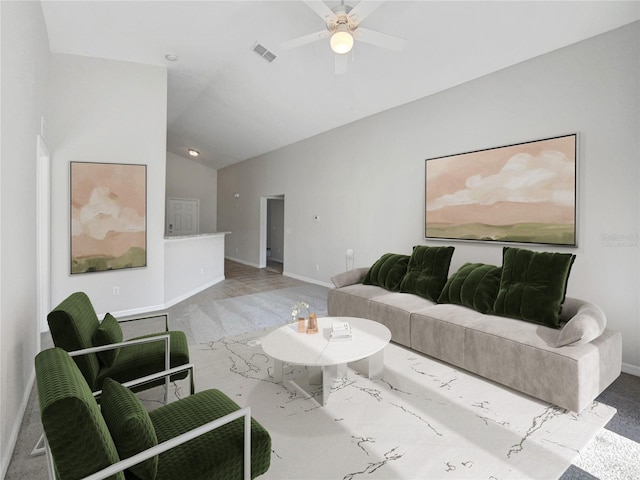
x,y
272,233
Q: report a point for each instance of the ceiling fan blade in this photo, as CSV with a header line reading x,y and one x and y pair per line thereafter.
x,y
321,9
310,38
342,61
362,10
380,39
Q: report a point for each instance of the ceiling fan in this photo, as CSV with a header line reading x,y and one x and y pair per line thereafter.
x,y
343,28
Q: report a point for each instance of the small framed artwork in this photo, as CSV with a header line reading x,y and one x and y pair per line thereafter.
x,y
108,216
522,193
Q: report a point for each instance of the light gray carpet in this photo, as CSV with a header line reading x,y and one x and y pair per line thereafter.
x,y
207,318
210,320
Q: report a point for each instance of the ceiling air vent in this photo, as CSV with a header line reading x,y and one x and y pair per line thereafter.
x,y
263,52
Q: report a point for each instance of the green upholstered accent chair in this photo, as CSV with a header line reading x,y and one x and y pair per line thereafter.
x,y
75,327
224,442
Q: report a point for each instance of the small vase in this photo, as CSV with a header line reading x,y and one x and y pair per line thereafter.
x,y
301,325
312,325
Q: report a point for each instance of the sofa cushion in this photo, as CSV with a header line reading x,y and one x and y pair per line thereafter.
x,y
533,285
352,300
427,271
130,426
142,359
72,325
393,311
439,331
388,271
474,285
107,333
214,455
587,325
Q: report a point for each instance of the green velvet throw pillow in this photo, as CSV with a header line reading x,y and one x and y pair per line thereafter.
x,y
474,285
130,426
107,333
388,271
427,271
533,285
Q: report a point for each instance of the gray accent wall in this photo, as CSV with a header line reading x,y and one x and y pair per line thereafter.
x,y
187,178
365,180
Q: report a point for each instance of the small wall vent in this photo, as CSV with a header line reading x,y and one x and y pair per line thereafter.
x,y
265,53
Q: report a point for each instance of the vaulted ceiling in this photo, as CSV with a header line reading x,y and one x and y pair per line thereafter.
x,y
230,104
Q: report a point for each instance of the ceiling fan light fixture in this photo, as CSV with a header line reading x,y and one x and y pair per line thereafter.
x,y
341,40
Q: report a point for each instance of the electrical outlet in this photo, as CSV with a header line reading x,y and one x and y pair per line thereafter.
x,y
317,268
116,291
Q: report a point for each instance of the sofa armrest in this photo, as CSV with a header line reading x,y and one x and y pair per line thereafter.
x,y
585,322
350,277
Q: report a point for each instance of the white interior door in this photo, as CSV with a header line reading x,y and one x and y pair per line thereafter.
x,y
183,216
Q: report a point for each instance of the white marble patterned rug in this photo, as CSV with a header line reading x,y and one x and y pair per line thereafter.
x,y
424,420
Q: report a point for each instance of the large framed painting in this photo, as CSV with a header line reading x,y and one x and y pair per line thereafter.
x,y
108,216
523,193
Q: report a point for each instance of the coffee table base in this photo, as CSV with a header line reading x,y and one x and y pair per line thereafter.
x,y
327,375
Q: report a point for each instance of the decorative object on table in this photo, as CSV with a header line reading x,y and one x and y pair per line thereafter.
x,y
108,216
302,325
523,193
298,315
312,324
340,331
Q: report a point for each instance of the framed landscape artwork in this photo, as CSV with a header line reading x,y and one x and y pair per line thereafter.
x,y
523,193
108,216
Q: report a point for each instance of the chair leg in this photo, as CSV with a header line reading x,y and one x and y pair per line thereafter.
x,y
166,392
247,445
50,467
39,448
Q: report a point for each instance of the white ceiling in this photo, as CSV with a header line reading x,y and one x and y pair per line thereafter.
x,y
230,104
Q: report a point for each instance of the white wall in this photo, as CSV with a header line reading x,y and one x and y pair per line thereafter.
x,y
192,264
114,112
24,56
190,179
366,180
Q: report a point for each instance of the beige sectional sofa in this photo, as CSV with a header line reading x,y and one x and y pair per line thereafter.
x,y
519,354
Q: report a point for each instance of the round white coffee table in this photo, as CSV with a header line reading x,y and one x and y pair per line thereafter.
x,y
330,358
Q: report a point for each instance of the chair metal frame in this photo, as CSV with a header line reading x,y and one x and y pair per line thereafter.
x,y
39,448
174,442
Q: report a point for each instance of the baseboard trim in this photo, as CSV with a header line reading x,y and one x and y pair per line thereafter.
x,y
191,293
243,262
307,279
168,304
631,369
15,430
